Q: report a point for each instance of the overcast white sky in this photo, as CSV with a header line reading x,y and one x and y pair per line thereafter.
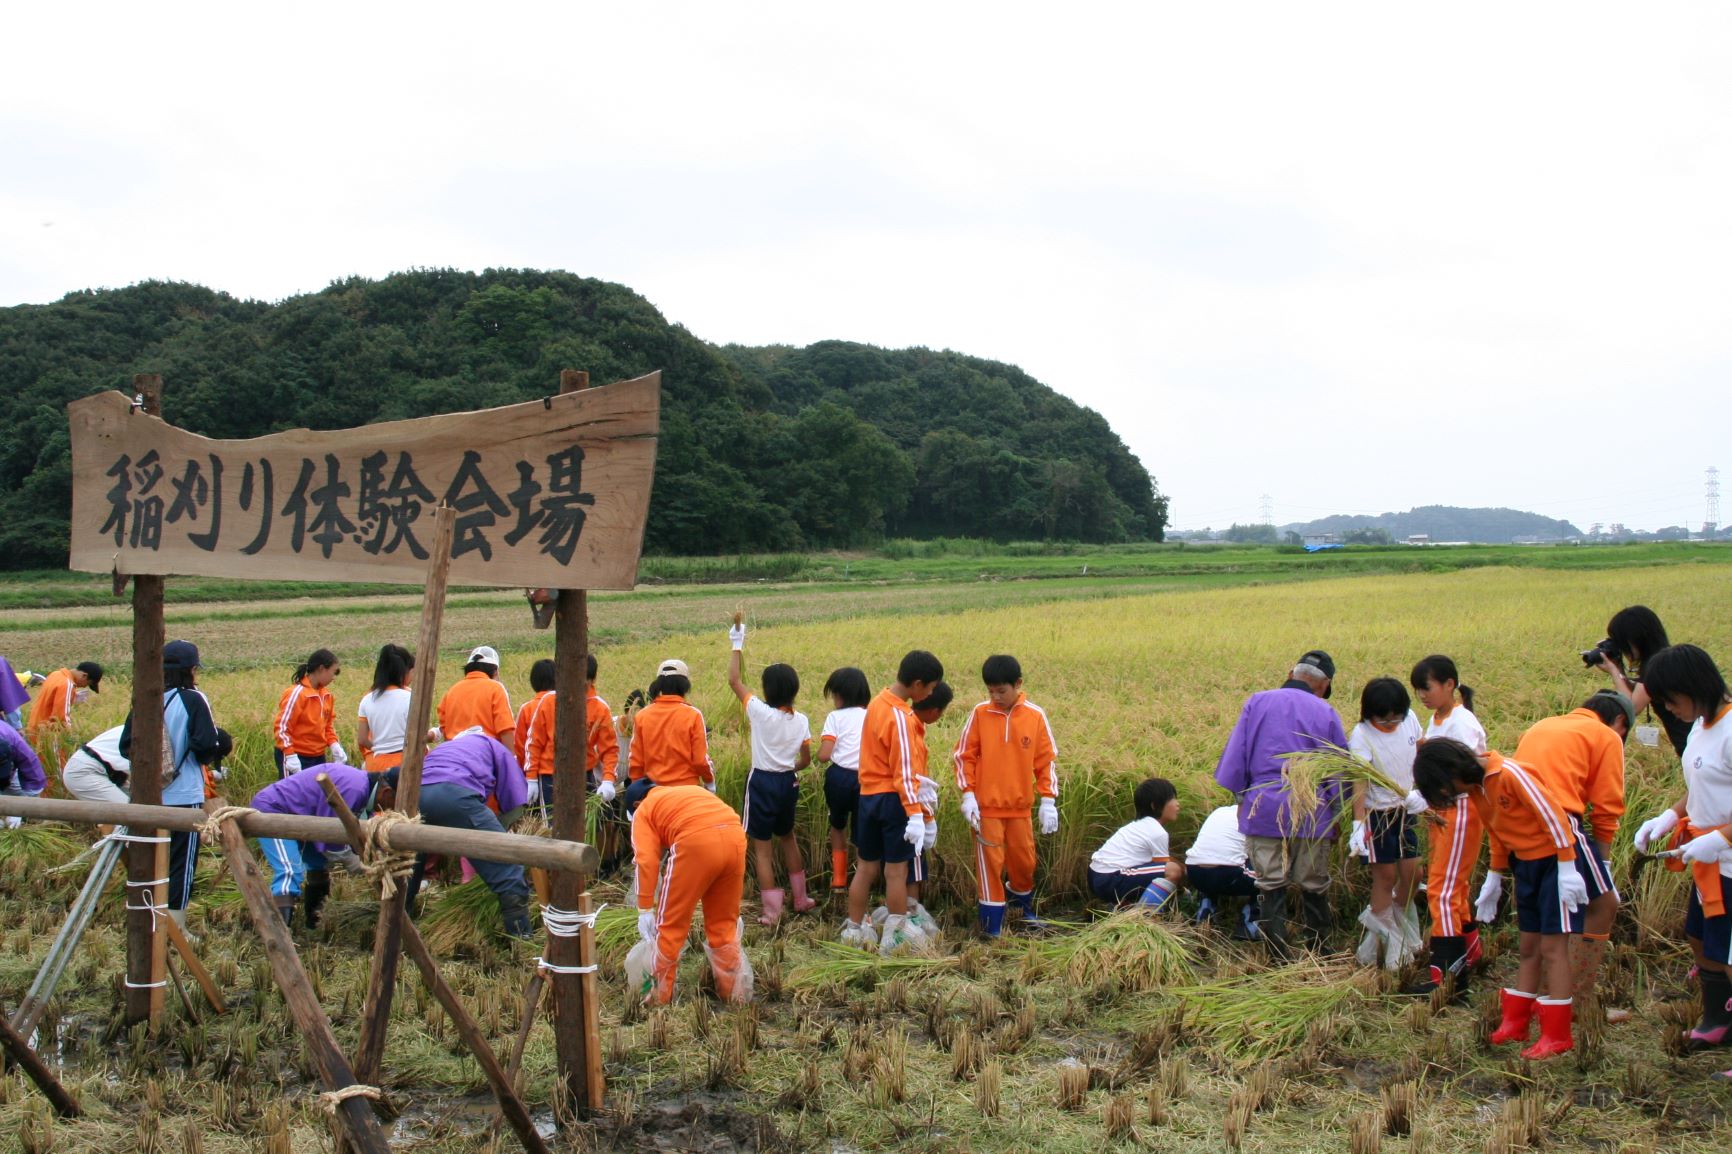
x,y
1354,257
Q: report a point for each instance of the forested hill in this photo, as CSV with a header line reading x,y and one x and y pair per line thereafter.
x,y
1449,523
761,448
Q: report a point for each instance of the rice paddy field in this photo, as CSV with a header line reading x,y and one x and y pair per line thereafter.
x,y
1122,1033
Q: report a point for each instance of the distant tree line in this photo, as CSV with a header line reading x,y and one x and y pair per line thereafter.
x,y
762,449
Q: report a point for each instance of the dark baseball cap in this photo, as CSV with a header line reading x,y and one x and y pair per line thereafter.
x,y
180,655
93,671
1321,660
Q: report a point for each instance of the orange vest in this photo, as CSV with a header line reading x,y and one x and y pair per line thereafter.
x,y
668,743
476,700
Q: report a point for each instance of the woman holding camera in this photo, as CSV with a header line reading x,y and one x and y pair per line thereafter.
x,y
1633,635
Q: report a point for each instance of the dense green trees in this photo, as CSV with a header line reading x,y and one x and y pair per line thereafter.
x,y
761,449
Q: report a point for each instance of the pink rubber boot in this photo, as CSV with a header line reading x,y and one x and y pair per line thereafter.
x,y
772,908
797,883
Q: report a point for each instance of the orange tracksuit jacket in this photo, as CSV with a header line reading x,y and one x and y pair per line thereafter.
x,y
53,704
1579,759
1520,817
892,751
476,700
668,744
535,730
305,724
1004,757
706,862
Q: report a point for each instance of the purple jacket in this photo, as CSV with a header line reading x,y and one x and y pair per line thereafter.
x,y
20,769
479,764
12,695
1274,722
301,793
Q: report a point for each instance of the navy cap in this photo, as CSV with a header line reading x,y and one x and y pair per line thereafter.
x,y
180,655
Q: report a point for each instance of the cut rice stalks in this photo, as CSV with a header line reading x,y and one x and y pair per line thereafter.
x,y
1270,1011
844,963
1306,771
1132,951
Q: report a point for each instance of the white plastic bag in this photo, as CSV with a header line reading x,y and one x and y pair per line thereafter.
x,y
731,967
640,970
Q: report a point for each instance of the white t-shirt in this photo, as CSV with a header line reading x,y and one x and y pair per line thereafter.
x,y
1461,725
1219,842
777,736
387,715
845,725
1708,777
1131,847
106,745
1391,754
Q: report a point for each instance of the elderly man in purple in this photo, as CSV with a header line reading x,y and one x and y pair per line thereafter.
x,y
457,778
20,768
1285,848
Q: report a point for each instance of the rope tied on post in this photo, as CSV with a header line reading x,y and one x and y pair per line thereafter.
x,y
332,1100
568,923
212,829
382,863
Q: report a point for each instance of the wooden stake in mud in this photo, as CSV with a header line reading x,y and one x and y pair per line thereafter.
x,y
362,1128
388,937
576,1041
511,1106
146,949
18,1049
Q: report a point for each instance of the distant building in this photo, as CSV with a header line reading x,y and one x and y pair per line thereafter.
x,y
1419,538
1319,540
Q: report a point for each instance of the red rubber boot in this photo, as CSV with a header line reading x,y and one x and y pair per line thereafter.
x,y
1555,1038
1518,1018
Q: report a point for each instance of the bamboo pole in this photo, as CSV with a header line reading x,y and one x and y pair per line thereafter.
x,y
35,1003
19,1051
387,937
504,1086
572,1019
362,1127
146,955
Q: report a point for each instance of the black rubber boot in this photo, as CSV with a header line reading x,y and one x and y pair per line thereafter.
x,y
1715,1028
286,908
514,908
313,894
1448,962
1272,920
1319,920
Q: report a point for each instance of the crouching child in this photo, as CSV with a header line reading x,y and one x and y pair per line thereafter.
x,y
1133,867
300,869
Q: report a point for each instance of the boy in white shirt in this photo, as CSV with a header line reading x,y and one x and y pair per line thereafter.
x,y
781,748
1133,866
1215,867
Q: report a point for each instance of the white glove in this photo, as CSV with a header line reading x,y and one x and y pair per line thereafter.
x,y
434,734
1485,906
915,832
14,822
1655,829
217,773
927,794
605,791
737,637
646,926
339,754
291,763
1572,890
531,790
1048,816
1356,846
1706,848
1416,803
971,810
931,838
80,696
710,785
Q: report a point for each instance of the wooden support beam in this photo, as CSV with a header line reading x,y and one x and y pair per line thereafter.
x,y
212,994
514,1065
387,937
571,997
517,848
362,1128
19,1051
504,1085
146,955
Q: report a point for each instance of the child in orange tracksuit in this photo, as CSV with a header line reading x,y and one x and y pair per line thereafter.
x,y
1006,755
535,732
705,851
479,699
669,745
305,721
1530,836
1455,837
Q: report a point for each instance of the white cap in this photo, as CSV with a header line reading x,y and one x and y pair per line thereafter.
x,y
485,654
674,665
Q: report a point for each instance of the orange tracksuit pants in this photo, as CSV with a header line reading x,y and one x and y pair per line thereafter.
x,y
1449,871
707,867
1004,845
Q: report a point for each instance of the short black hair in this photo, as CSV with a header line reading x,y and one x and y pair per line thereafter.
x,y
590,667
1637,632
1001,669
91,670
1686,671
1383,697
541,675
486,667
1439,764
781,685
1152,796
919,665
938,700
1608,706
849,687
1440,669
672,683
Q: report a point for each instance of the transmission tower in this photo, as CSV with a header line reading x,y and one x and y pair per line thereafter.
x,y
1267,509
1712,522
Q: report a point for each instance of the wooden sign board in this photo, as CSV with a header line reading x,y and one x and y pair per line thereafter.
x,y
551,493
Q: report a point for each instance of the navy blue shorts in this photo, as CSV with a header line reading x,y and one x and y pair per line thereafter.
x,y
308,761
1538,908
771,801
1221,881
1715,934
1125,886
878,829
1394,836
1591,863
842,795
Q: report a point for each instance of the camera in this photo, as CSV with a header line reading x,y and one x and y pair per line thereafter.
x,y
1607,648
